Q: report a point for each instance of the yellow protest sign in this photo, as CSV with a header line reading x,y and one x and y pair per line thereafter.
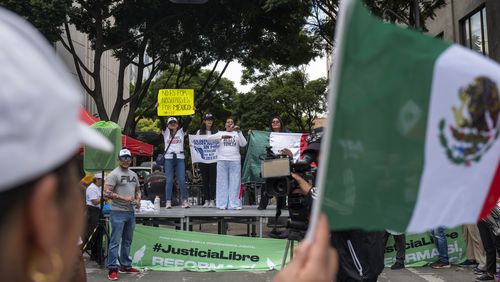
x,y
175,102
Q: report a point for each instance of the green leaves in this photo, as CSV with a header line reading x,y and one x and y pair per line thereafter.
x,y
290,95
46,15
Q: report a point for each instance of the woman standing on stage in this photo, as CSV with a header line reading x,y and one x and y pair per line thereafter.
x,y
276,125
208,171
229,165
174,158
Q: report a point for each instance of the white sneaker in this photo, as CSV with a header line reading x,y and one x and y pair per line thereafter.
x,y
185,204
206,205
212,204
168,205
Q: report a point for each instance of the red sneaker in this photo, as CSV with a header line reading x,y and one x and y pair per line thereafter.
x,y
113,274
129,270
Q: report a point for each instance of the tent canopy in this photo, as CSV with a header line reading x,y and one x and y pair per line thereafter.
x,y
136,147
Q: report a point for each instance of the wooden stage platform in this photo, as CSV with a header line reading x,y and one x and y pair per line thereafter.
x,y
184,219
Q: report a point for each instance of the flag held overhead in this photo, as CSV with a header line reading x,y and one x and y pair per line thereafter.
x,y
411,141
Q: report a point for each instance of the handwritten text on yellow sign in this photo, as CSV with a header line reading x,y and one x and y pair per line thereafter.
x,y
175,102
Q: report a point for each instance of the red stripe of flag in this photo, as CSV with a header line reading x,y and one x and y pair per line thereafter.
x,y
493,194
303,143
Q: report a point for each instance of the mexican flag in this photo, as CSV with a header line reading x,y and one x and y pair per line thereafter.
x,y
256,150
412,138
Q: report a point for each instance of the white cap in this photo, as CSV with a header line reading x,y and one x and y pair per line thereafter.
x,y
170,119
39,108
124,152
98,175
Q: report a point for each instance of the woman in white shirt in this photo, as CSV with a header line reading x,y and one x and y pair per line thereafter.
x,y
173,136
208,171
229,166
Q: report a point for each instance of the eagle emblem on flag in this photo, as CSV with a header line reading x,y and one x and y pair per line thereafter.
x,y
476,122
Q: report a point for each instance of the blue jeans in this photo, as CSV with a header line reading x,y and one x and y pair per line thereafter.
x,y
441,244
228,184
178,167
122,229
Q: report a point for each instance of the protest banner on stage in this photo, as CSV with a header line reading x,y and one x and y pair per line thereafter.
x,y
175,102
421,250
174,250
202,150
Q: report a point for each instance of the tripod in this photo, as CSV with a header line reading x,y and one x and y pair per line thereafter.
x,y
95,239
293,235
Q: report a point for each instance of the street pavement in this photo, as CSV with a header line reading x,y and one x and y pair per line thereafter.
x,y
421,274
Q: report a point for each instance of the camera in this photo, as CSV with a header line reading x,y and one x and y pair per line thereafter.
x,y
277,169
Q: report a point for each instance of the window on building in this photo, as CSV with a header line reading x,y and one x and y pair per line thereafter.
x,y
475,31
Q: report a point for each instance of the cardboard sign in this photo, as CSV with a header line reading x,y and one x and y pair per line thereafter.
x,y
175,102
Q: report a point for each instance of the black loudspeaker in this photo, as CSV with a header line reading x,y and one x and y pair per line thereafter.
x,y
96,160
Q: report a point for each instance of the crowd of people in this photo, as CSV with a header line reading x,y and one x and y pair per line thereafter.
x,y
42,215
220,180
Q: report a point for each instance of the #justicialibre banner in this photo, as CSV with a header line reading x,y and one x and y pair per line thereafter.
x,y
174,250
166,249
421,249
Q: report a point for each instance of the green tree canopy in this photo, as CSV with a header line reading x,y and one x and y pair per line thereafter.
x,y
47,16
290,95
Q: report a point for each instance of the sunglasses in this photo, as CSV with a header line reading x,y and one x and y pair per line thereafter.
x,y
275,121
172,122
125,158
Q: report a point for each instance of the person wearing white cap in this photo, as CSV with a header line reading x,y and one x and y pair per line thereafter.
x,y
93,201
174,158
40,134
123,188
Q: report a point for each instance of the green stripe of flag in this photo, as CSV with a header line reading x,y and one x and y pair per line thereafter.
x,y
257,143
380,123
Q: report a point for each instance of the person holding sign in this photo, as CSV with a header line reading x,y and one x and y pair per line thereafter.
x,y
174,158
229,165
208,171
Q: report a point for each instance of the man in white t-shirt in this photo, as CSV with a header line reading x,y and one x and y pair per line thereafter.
x,y
93,200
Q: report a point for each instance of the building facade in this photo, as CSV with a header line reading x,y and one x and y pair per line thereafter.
x,y
109,74
471,23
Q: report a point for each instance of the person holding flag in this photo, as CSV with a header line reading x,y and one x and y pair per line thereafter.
x,y
276,125
430,129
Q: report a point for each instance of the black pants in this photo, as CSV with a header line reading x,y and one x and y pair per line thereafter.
x,y
354,246
92,220
400,244
490,244
209,176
